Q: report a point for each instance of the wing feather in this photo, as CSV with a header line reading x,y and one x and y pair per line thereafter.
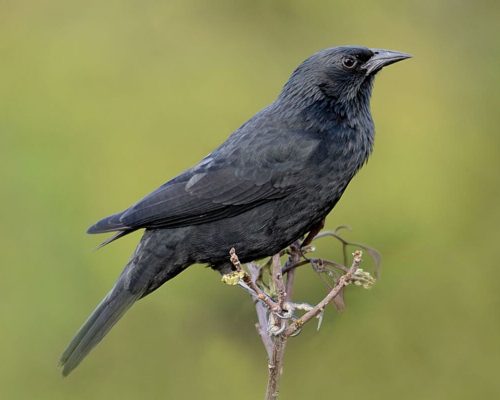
x,y
226,183
199,199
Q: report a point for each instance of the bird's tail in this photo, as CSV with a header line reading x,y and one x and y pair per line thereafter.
x,y
104,317
152,264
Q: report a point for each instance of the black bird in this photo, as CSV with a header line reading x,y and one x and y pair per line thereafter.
x,y
270,183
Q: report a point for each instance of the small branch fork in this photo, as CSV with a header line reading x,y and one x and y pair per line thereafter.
x,y
273,299
274,307
344,280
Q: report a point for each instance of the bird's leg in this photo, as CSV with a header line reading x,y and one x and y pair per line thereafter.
x,y
305,246
315,229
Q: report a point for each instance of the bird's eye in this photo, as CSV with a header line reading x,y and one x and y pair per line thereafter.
x,y
348,62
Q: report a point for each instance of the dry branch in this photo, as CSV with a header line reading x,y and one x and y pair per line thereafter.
x,y
273,301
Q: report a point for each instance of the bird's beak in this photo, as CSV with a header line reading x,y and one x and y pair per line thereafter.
x,y
382,58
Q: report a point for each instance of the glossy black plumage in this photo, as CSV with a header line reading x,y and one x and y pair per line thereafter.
x,y
271,182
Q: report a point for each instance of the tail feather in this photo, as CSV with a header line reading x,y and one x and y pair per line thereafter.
x,y
116,236
152,264
104,317
108,224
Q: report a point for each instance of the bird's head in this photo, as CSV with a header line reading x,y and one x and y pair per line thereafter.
x,y
340,73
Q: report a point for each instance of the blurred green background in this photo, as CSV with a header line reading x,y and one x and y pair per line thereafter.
x,y
101,102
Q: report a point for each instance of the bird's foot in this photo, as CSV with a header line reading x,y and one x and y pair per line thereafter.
x,y
275,324
312,233
304,307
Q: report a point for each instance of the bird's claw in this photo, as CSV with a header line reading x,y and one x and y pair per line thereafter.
x,y
287,311
275,327
296,332
276,330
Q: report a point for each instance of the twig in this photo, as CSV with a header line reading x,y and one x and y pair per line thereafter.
x,y
288,268
374,254
342,281
275,364
293,259
277,277
273,299
261,310
276,367
246,278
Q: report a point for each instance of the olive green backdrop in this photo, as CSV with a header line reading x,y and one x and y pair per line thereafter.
x,y
102,101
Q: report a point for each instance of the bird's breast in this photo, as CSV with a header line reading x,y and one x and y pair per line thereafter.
x,y
341,153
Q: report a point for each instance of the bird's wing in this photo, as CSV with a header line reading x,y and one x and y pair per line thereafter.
x,y
205,197
219,187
